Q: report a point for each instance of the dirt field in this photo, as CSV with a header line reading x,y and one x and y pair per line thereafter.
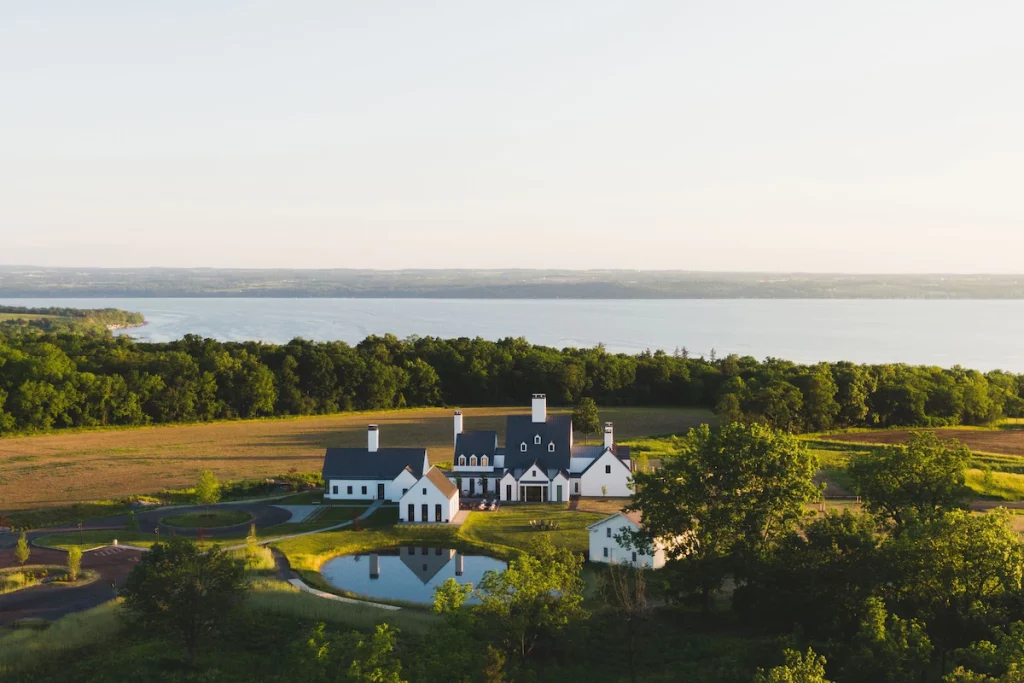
x,y
1007,440
50,470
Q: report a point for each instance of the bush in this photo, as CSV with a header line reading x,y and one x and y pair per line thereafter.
x,y
74,563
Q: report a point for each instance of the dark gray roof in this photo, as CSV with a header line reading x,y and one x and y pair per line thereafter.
x,y
521,428
479,443
359,463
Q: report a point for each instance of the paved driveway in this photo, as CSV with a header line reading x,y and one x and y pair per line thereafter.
x,y
52,601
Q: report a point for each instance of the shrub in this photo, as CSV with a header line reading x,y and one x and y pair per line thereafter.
x,y
74,563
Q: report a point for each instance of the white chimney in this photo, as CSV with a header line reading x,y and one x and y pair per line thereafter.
x,y
609,440
540,408
372,438
458,424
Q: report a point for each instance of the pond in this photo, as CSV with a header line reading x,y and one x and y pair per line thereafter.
x,y
409,573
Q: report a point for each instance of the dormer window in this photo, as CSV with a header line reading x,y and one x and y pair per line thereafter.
x,y
522,447
472,461
462,461
483,461
551,447
536,439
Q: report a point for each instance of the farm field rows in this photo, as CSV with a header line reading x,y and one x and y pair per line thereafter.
x,y
1007,439
58,469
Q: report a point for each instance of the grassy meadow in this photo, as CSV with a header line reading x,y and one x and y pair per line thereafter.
x,y
53,470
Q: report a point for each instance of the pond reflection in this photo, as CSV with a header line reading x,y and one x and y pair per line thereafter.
x,y
409,573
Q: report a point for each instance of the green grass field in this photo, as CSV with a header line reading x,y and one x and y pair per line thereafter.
x,y
510,526
211,519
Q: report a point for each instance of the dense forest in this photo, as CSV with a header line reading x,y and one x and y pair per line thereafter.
x,y
58,380
516,283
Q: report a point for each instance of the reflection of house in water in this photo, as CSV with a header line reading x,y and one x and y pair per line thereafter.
x,y
424,563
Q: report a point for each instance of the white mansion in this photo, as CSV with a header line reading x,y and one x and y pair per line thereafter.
x,y
538,463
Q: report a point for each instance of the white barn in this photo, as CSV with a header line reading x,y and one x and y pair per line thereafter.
x,y
604,547
433,498
372,473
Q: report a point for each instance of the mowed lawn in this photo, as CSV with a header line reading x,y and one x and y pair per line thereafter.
x,y
58,469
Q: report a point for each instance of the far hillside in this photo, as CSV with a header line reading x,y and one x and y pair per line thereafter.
x,y
82,320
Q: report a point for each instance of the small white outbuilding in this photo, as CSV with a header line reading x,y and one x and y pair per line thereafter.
x,y
604,547
434,498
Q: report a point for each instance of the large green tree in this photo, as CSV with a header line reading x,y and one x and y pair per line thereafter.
x,y
183,591
585,418
922,479
725,498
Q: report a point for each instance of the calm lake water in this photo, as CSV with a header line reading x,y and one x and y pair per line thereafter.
x,y
977,334
407,573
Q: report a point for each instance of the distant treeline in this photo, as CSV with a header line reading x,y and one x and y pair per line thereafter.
x,y
56,319
23,281
73,380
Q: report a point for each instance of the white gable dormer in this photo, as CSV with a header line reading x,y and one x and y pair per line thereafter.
x,y
522,447
536,440
551,447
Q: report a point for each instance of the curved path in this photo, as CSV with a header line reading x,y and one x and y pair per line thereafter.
x,y
113,564
52,601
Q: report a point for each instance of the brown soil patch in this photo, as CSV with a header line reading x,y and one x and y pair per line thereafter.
x,y
1007,441
58,469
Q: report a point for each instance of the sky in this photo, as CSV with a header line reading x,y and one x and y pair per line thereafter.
x,y
797,135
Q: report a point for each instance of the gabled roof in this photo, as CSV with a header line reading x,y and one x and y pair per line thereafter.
x,y
476,443
633,516
443,484
384,464
520,429
596,460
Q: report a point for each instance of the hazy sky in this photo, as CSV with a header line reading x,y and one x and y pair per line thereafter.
x,y
859,136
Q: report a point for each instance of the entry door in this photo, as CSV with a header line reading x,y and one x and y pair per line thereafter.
x,y
380,491
558,493
437,512
412,513
508,491
426,515
472,487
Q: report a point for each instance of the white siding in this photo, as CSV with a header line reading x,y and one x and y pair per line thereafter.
x,y
392,489
559,480
506,481
616,482
605,548
342,487
424,492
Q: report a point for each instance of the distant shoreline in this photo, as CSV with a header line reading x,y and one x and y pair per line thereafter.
x,y
203,283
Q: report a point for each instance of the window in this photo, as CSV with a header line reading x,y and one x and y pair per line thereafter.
x,y
483,461
551,447
437,551
608,531
437,518
606,552
364,490
508,491
405,491
576,487
607,469
424,491
536,439
424,567
335,491
424,551
462,460
349,490
522,447
472,461
634,558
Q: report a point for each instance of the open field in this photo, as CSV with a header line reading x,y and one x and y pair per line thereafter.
x,y
57,469
1007,439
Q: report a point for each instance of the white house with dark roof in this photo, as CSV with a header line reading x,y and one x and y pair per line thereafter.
x,y
539,462
605,547
372,473
434,498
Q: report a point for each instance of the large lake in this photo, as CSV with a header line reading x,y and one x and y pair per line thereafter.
x,y
977,334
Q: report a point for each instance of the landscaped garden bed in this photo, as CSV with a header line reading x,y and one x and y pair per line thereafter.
x,y
213,519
